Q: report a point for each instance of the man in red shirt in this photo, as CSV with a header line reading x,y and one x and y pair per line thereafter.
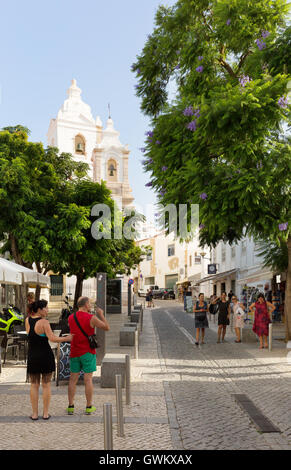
x,y
82,357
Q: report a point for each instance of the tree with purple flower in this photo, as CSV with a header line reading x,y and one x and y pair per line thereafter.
x,y
240,125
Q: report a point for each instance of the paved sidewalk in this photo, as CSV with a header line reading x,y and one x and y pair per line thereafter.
x,y
205,379
147,425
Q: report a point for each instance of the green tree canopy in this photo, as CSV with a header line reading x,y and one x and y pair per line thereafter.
x,y
221,143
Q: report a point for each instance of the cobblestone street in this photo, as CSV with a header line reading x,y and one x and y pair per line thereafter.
x,y
182,395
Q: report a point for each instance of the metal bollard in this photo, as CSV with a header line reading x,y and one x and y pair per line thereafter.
x,y
107,420
270,336
127,378
136,344
119,409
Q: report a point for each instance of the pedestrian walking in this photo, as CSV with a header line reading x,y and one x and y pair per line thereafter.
x,y
82,355
223,316
201,321
148,298
238,317
151,296
263,316
40,358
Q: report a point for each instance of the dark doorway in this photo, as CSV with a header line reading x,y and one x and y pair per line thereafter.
x,y
113,296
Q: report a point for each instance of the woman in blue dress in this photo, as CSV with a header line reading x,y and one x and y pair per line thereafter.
x,y
201,321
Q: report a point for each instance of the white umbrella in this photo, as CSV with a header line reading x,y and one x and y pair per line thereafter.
x,y
17,274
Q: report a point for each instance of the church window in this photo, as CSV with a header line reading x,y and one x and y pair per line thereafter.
x,y
80,145
112,170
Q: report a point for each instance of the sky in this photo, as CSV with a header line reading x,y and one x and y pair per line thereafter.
x,y
45,44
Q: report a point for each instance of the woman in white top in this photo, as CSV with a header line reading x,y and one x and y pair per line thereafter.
x,y
238,317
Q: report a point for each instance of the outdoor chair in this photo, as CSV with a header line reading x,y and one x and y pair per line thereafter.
x,y
10,342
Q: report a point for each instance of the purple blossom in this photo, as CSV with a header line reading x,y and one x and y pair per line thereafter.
x,y
197,113
201,226
244,80
283,226
136,87
265,34
149,184
177,67
228,22
158,142
199,69
150,161
163,192
203,196
138,71
150,134
261,44
192,126
200,57
142,149
164,168
283,102
189,111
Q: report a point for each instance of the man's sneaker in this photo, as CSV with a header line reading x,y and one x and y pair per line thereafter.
x,y
70,410
90,410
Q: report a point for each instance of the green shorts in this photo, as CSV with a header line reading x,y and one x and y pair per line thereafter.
x,y
86,363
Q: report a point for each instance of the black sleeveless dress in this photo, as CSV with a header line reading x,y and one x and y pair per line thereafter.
x,y
40,358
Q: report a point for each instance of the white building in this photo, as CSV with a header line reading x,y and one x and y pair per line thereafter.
x,y
171,263
237,267
76,131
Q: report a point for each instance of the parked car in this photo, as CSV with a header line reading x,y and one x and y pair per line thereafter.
x,y
164,293
169,294
142,292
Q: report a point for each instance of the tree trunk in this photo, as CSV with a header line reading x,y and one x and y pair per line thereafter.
x,y
288,294
37,292
78,289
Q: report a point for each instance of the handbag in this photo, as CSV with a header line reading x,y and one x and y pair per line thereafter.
x,y
213,308
92,338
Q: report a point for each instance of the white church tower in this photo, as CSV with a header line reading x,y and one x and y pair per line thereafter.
x,y
76,131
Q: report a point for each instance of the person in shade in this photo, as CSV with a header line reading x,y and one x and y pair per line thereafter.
x,y
223,316
40,358
82,356
263,315
201,322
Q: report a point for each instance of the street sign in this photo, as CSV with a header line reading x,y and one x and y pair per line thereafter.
x,y
212,269
130,282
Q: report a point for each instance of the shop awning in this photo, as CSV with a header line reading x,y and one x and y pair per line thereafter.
x,y
216,277
185,281
9,276
17,275
258,276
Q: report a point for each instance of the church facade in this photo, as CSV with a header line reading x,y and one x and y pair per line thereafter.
x,y
76,131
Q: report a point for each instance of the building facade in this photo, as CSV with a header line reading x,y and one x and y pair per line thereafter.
x,y
171,264
76,131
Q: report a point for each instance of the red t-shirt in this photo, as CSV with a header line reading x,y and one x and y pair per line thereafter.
x,y
80,344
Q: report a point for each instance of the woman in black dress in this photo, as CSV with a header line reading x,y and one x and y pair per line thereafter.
x,y
201,321
40,360
223,316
